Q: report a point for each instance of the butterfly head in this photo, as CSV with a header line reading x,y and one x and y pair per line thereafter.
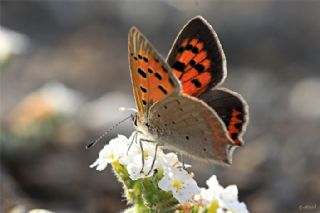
x,y
143,126
135,119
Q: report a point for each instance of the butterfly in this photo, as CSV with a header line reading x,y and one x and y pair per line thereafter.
x,y
179,104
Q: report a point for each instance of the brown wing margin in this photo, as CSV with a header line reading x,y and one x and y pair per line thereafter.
x,y
232,109
197,57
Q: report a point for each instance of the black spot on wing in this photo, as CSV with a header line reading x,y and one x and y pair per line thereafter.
x,y
196,83
150,70
162,89
164,69
238,125
234,136
189,47
195,50
179,66
240,116
199,67
142,73
158,76
144,90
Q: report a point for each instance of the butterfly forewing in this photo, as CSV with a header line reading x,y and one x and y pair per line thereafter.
x,y
197,58
152,78
189,126
231,108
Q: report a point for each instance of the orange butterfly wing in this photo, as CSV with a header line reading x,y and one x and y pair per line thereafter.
x,y
152,78
197,58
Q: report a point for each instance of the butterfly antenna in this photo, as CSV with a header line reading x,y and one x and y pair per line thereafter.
x,y
109,130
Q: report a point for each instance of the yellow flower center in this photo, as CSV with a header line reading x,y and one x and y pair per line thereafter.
x,y
116,164
112,156
145,154
214,205
176,184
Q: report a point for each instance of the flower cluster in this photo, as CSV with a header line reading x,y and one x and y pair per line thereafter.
x,y
52,101
174,179
11,43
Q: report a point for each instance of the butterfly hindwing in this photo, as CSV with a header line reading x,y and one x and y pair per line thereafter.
x,y
190,126
197,58
231,108
152,78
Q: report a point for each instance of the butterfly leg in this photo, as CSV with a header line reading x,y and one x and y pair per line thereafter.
x,y
133,140
142,152
182,160
154,158
142,155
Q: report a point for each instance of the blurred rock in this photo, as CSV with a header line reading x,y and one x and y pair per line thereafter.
x,y
305,98
104,112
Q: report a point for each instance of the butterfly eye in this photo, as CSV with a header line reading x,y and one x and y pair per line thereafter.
x,y
135,120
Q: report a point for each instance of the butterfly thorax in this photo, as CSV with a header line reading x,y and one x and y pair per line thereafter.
x,y
148,130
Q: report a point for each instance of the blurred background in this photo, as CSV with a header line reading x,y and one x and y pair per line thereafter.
x,y
64,74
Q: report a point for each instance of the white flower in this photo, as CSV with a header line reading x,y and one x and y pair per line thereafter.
x,y
229,200
111,152
180,183
224,199
209,195
11,43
